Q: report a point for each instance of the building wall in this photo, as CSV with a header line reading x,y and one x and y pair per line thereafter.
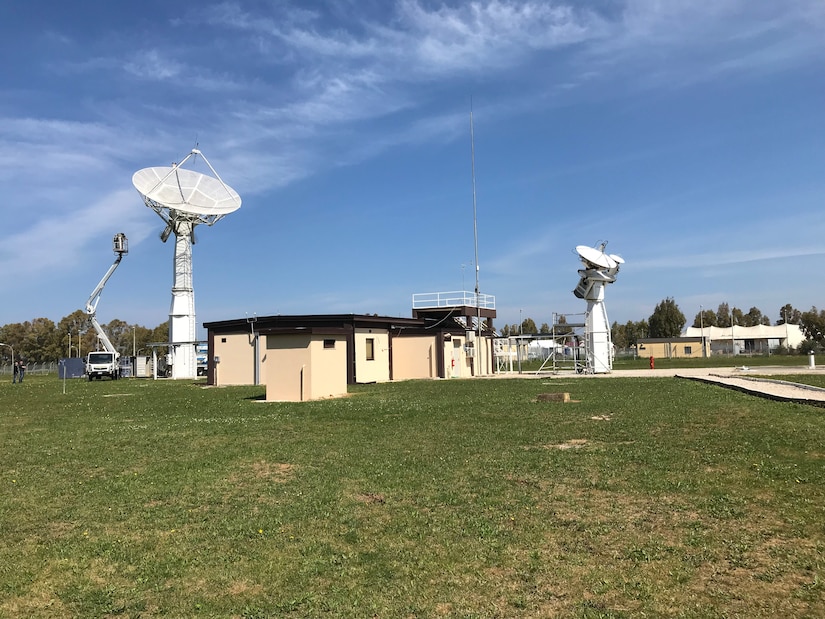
x,y
671,350
237,355
288,358
302,367
413,357
328,373
376,370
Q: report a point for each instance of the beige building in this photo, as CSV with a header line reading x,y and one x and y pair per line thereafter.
x,y
673,348
308,357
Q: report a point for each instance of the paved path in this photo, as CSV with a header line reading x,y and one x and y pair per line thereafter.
x,y
735,378
780,390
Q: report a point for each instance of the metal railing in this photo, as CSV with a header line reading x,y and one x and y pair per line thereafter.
x,y
431,300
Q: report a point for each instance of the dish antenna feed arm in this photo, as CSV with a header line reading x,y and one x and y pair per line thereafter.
x,y
120,246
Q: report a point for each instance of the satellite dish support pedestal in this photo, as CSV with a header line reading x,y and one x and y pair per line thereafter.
x,y
183,198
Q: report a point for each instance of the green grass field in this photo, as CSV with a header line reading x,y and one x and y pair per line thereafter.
x,y
646,497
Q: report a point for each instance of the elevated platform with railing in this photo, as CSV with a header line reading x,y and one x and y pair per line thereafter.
x,y
460,303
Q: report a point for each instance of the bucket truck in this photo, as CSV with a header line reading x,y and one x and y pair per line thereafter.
x,y
104,362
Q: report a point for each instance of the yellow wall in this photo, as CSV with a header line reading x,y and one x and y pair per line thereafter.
x,y
413,357
377,370
237,355
671,350
328,377
299,367
287,360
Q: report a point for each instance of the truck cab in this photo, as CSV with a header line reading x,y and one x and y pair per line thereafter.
x,y
102,363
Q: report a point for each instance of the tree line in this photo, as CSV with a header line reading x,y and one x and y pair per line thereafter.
x,y
43,341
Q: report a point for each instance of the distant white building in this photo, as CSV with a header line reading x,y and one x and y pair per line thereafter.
x,y
746,340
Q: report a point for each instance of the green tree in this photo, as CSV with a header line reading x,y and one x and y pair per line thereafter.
x,y
704,318
618,334
813,325
667,320
723,315
41,342
561,328
161,332
528,326
789,314
545,328
13,335
120,334
637,330
753,317
69,333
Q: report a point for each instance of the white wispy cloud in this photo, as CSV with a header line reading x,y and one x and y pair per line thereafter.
x,y
289,92
58,241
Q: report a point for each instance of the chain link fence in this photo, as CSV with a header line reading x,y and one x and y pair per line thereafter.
x,y
31,368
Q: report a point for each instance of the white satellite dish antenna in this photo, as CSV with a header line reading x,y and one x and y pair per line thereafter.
x,y
183,199
599,270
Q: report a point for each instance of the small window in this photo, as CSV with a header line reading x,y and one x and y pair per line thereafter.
x,y
329,343
223,340
370,349
688,350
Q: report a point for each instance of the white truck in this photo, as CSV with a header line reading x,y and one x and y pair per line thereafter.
x,y
102,363
106,362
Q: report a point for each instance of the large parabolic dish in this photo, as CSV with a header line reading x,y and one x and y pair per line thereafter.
x,y
186,191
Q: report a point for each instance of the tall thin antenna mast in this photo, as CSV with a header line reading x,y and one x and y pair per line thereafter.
x,y
475,211
475,232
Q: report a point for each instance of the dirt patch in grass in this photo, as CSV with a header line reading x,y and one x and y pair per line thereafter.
x,y
39,602
573,443
371,498
278,472
60,529
244,588
262,470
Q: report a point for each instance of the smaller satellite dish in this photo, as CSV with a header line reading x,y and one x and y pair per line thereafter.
x,y
596,258
186,191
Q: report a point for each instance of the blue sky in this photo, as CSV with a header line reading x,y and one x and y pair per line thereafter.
x,y
689,134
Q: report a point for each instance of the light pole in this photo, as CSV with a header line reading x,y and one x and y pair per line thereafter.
x,y
702,326
12,354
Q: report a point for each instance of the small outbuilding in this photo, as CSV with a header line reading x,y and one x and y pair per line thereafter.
x,y
305,357
673,347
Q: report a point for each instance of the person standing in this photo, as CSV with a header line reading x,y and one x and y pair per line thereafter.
x,y
21,372
15,370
